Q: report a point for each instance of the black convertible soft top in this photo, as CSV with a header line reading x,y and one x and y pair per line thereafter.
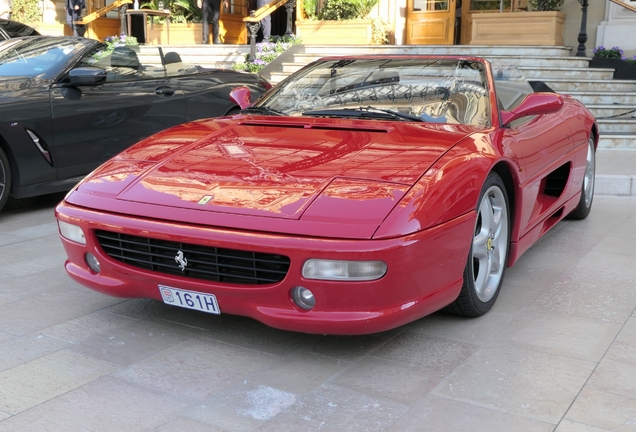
x,y
12,29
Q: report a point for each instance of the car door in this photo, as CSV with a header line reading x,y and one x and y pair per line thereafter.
x,y
545,145
93,123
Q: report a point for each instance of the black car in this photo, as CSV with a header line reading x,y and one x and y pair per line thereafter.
x,y
13,29
67,104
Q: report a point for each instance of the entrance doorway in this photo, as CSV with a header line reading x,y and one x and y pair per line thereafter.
x,y
430,22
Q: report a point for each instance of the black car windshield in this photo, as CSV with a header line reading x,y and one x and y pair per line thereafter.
x,y
439,90
34,56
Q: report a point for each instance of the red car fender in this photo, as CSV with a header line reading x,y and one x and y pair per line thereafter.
x,y
449,189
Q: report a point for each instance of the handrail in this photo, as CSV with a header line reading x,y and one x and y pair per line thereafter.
x,y
259,14
102,11
253,22
625,5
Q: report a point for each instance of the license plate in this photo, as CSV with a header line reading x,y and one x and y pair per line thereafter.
x,y
189,299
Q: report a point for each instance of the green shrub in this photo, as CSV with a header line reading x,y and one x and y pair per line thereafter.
x,y
364,7
380,31
488,5
339,10
26,11
545,5
311,9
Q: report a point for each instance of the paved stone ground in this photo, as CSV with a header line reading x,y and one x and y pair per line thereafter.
x,y
557,352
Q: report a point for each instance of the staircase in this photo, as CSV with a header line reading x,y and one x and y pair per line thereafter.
x,y
211,56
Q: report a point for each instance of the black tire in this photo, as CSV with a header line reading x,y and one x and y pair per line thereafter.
x,y
587,188
5,179
488,254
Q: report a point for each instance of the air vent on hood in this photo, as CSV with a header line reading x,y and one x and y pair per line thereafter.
x,y
310,126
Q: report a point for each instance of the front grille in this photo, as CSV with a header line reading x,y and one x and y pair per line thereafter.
x,y
203,262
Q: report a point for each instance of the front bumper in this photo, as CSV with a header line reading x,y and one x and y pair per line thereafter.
x,y
424,274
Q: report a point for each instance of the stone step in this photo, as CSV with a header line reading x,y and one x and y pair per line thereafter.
x,y
566,73
603,97
615,172
624,141
614,110
603,86
277,77
617,126
216,56
463,50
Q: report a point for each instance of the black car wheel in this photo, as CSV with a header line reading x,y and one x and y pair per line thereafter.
x,y
5,179
486,264
587,189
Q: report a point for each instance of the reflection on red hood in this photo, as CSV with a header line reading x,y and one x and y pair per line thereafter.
x,y
276,167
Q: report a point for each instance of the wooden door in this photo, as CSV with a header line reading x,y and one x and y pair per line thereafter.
x,y
232,27
430,22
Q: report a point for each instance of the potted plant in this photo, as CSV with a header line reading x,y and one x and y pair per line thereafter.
x,y
341,22
541,22
613,58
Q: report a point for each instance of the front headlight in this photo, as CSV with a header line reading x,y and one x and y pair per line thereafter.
x,y
344,270
72,232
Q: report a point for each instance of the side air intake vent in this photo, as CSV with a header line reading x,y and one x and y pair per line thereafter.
x,y
41,145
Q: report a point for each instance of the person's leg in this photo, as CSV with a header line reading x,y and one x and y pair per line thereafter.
x,y
216,12
76,16
266,25
206,22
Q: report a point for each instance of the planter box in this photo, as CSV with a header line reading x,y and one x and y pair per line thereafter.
x,y
622,69
231,31
180,34
518,28
53,29
345,32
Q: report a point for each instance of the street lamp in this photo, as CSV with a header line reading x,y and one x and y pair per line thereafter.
x,y
583,33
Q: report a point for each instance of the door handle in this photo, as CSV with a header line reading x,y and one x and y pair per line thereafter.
x,y
164,91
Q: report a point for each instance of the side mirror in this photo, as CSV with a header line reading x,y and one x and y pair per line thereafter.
x,y
241,96
87,76
533,104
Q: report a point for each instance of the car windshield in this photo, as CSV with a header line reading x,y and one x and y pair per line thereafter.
x,y
439,90
34,56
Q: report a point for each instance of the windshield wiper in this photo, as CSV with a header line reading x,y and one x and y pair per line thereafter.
x,y
369,111
263,110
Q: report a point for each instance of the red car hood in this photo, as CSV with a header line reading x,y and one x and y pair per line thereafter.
x,y
288,168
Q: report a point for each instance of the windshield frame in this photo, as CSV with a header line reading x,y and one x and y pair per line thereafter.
x,y
490,114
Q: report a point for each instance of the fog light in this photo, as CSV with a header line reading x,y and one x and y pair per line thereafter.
x,y
303,298
344,270
72,232
92,262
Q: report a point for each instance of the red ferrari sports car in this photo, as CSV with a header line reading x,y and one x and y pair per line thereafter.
x,y
358,195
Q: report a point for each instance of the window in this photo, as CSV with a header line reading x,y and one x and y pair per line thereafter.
x,y
123,63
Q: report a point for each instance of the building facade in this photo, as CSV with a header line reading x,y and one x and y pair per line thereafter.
x,y
445,21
